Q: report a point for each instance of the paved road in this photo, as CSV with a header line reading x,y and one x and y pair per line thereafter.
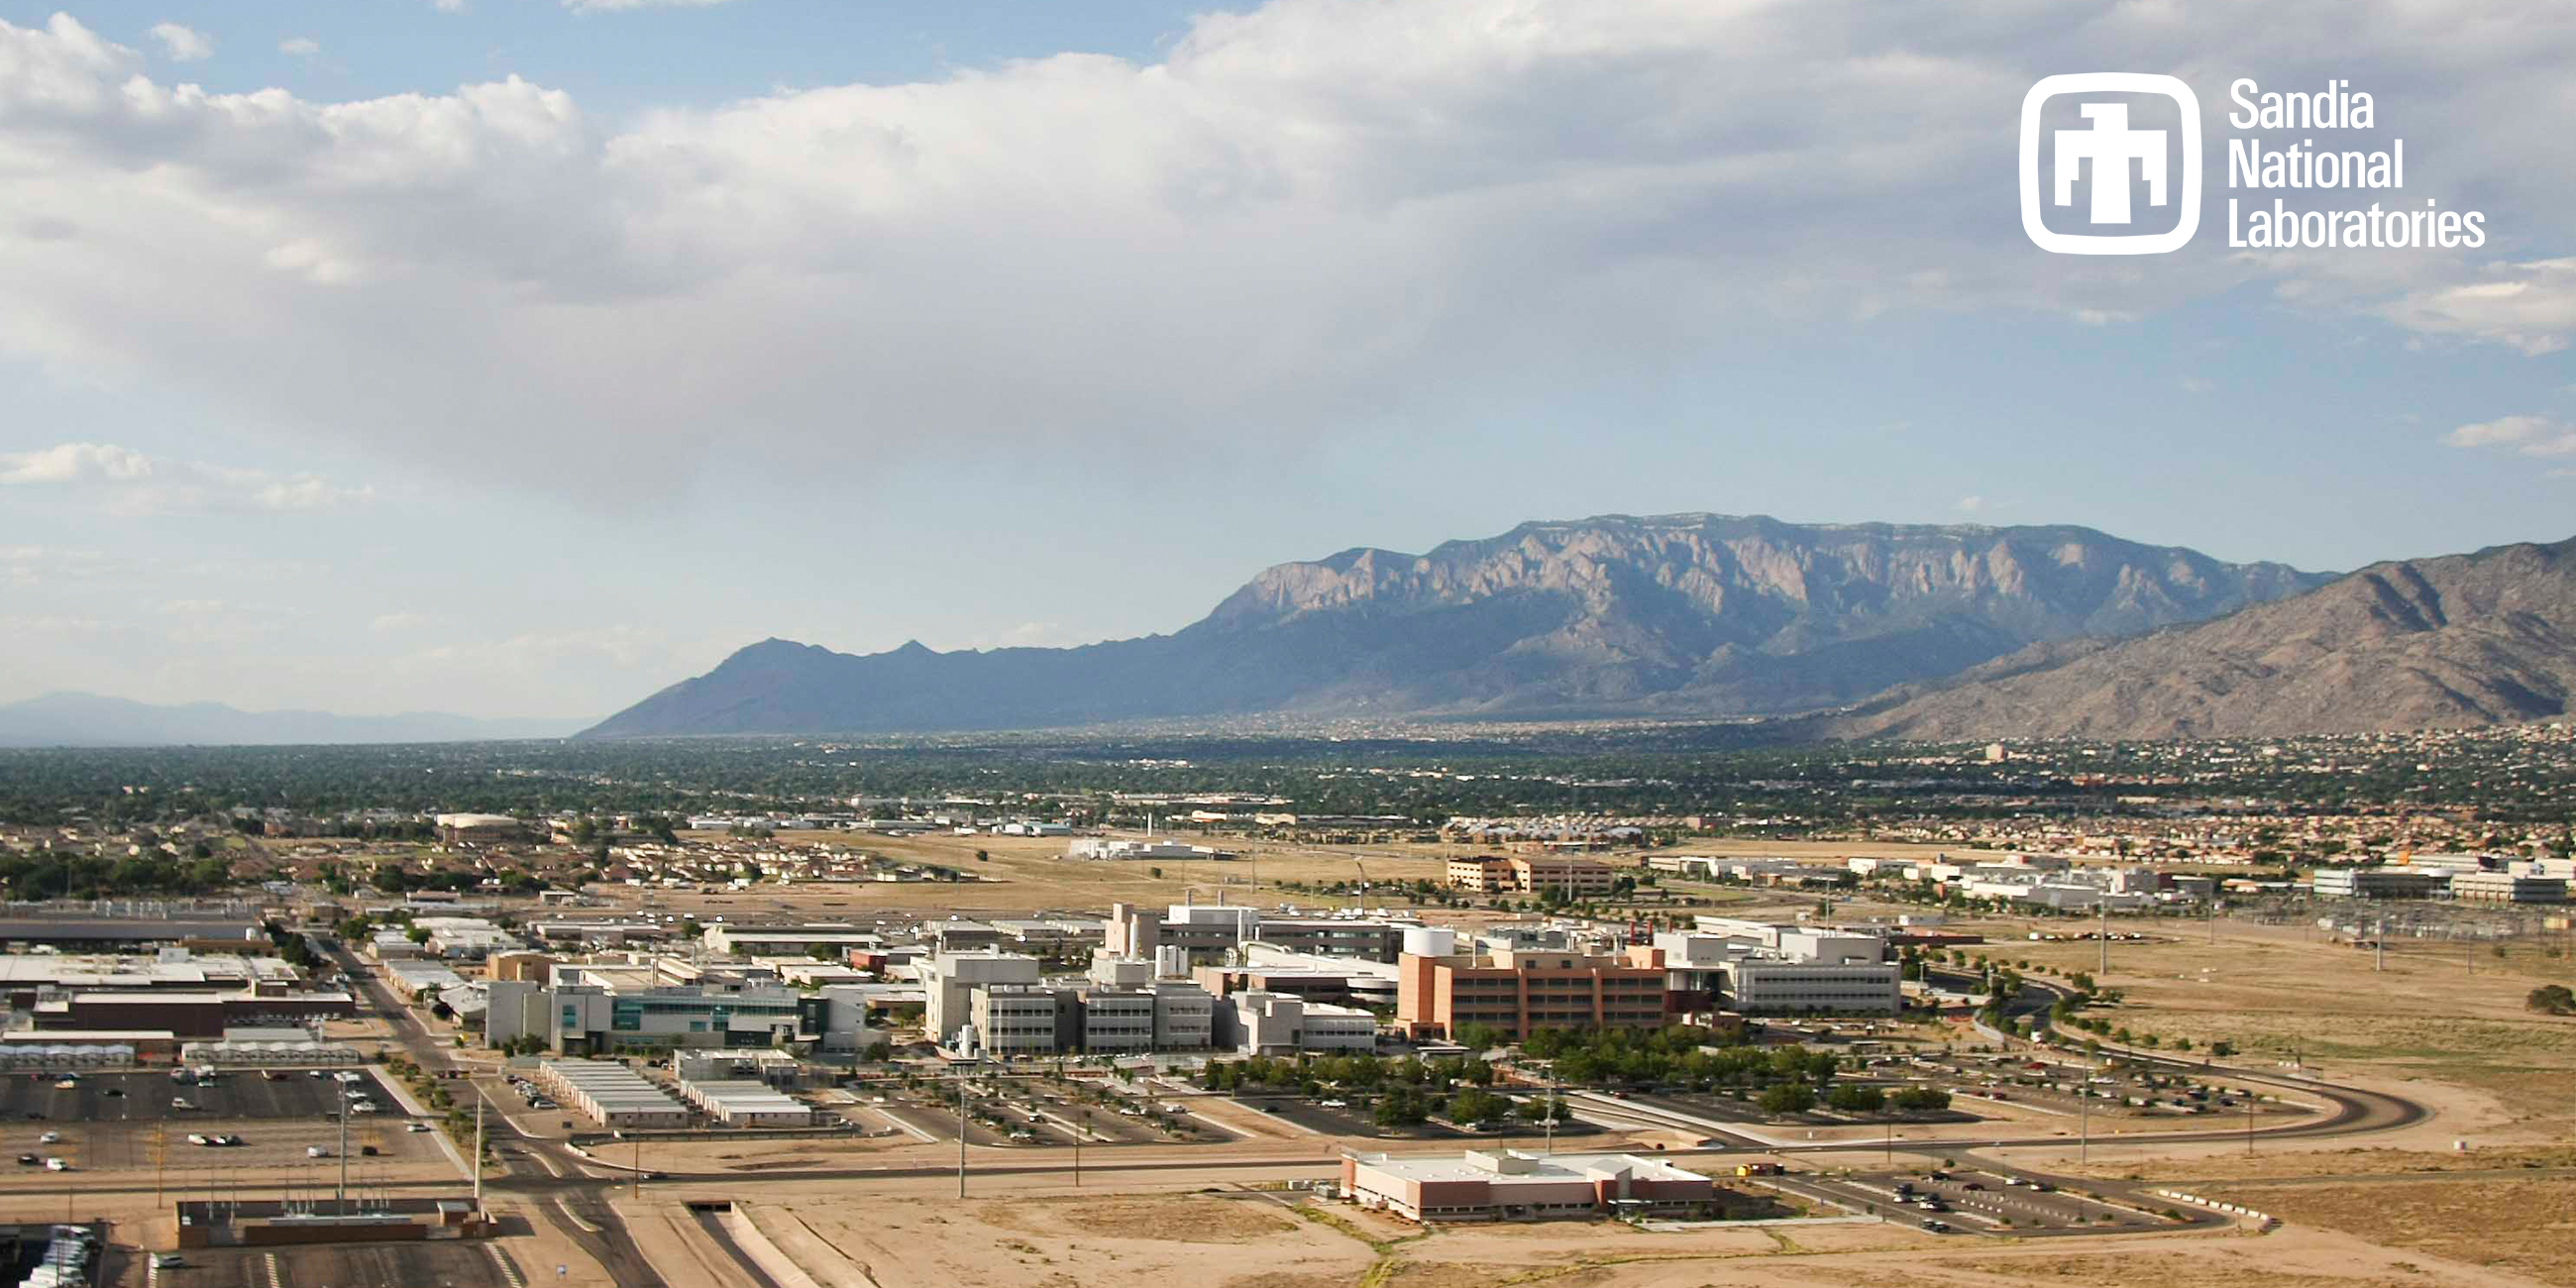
x,y
578,1206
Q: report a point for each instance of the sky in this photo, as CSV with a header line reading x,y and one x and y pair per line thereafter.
x,y
519,357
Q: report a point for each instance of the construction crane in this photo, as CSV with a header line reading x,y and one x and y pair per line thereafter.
x,y
1355,862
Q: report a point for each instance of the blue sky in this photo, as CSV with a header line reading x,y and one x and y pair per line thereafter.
x,y
517,358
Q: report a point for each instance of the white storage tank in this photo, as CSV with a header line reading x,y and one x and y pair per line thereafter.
x,y
1430,941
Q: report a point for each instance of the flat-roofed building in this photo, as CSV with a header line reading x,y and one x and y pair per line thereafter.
x,y
610,1093
1519,992
2380,883
2507,887
1572,877
1484,874
1512,1185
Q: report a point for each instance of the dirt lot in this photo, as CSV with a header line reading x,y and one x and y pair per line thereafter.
x,y
2527,1227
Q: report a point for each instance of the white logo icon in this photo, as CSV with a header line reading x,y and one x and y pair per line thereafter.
x,y
2106,151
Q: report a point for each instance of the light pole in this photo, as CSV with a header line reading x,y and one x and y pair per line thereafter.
x,y
961,1131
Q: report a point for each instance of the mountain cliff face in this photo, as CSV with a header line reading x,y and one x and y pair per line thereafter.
x,y
2453,642
1671,615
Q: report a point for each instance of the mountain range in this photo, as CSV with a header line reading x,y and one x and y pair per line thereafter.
x,y
2451,642
89,720
1673,615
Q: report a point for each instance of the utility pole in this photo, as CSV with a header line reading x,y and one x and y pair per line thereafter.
x,y
961,1131
1550,1107
341,1201
635,1184
478,1151
160,1156
2249,1126
1082,1125
2084,1119
2379,947
2102,932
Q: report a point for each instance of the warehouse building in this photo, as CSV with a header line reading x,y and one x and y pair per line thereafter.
x,y
611,1094
747,1104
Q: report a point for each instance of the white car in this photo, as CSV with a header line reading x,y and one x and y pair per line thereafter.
x,y
197,1138
415,1127
57,1165
180,1102
316,1151
49,1138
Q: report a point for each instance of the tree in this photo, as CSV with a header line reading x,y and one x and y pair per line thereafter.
x,y
2551,999
1853,1098
1401,1106
1788,1098
1918,1099
1479,1107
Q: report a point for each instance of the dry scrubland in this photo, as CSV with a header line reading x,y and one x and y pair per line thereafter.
x,y
1244,1240
2440,1016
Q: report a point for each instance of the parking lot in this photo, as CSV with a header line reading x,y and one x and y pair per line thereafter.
x,y
277,1122
1970,1200
2117,1091
147,1097
469,1264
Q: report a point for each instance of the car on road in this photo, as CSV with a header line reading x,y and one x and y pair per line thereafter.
x,y
49,1138
180,1102
28,1160
1972,1185
57,1165
415,1127
200,1138
316,1151
168,1261
1937,1227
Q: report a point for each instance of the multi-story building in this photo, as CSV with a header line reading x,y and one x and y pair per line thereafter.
x,y
2380,883
1574,878
1279,1024
1184,1017
1484,874
1115,1022
1769,986
1520,992
949,982
588,1011
1023,1019
2508,887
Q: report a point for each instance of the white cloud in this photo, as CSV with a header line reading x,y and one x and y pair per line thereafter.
x,y
2197,385
1317,213
183,44
405,621
300,47
124,481
2528,435
2529,306
1973,504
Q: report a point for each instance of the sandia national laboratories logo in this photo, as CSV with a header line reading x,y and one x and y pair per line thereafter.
x,y
2130,142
